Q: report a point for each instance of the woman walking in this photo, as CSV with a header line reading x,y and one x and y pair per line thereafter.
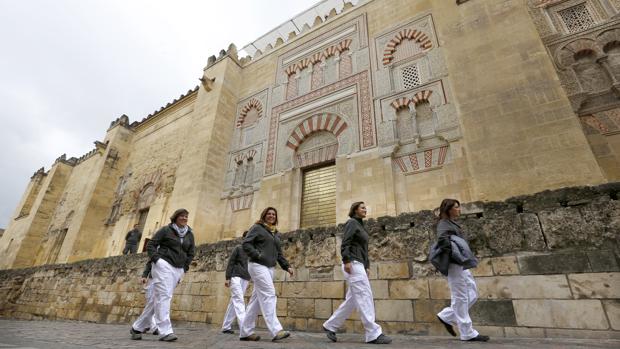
x,y
354,251
237,279
262,245
171,250
452,256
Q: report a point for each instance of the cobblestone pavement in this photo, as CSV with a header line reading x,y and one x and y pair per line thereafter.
x,y
16,334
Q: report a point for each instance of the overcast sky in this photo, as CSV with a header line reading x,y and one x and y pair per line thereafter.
x,y
70,67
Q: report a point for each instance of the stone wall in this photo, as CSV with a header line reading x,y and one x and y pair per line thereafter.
x,y
549,267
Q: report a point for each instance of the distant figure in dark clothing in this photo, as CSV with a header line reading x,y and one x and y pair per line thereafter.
x,y
132,239
237,279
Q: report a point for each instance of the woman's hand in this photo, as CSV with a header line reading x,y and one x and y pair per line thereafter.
x,y
143,281
227,283
348,267
290,271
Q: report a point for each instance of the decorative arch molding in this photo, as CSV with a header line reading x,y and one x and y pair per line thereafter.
x,y
253,103
344,45
405,34
566,55
419,97
609,38
320,122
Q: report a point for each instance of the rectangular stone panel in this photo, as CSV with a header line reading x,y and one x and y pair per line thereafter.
x,y
493,312
601,261
558,263
426,310
394,310
576,314
393,270
505,265
612,309
409,289
524,287
595,285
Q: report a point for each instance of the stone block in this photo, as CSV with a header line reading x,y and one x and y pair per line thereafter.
x,y
524,287
505,265
524,332
394,310
301,289
595,285
321,273
484,268
393,270
322,308
439,288
493,312
409,289
281,307
491,331
602,261
379,289
554,263
574,314
612,309
581,334
332,289
426,310
300,307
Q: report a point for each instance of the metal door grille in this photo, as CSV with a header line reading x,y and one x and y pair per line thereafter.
x,y
318,201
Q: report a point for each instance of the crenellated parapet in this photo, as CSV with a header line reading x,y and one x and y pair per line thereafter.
x,y
39,173
174,102
123,120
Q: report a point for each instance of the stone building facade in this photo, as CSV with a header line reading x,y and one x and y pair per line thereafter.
x,y
398,103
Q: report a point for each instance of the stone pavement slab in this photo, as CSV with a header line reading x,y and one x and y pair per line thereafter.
x,y
17,334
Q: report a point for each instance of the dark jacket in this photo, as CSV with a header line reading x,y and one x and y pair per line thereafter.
x,y
133,237
147,270
451,247
167,244
264,248
237,264
355,242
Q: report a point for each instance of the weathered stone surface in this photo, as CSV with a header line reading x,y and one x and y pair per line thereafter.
x,y
505,265
524,287
322,308
426,310
321,251
439,288
595,285
558,263
301,289
333,289
380,289
409,289
484,268
394,310
487,312
577,314
596,224
612,309
300,307
524,332
393,270
603,261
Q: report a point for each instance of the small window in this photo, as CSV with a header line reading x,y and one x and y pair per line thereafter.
x,y
411,76
577,18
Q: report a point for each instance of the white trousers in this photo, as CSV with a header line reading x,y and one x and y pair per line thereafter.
x,y
463,293
165,279
236,306
263,299
359,297
150,299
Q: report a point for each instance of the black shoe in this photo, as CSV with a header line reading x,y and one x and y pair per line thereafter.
x,y
330,334
135,335
382,339
229,331
156,332
448,327
479,338
171,337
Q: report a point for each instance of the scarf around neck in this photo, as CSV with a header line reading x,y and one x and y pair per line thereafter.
x,y
180,231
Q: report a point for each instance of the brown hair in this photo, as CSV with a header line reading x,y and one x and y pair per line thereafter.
x,y
264,214
446,206
177,213
354,208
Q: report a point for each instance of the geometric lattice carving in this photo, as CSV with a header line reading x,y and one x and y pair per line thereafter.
x,y
411,76
577,18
